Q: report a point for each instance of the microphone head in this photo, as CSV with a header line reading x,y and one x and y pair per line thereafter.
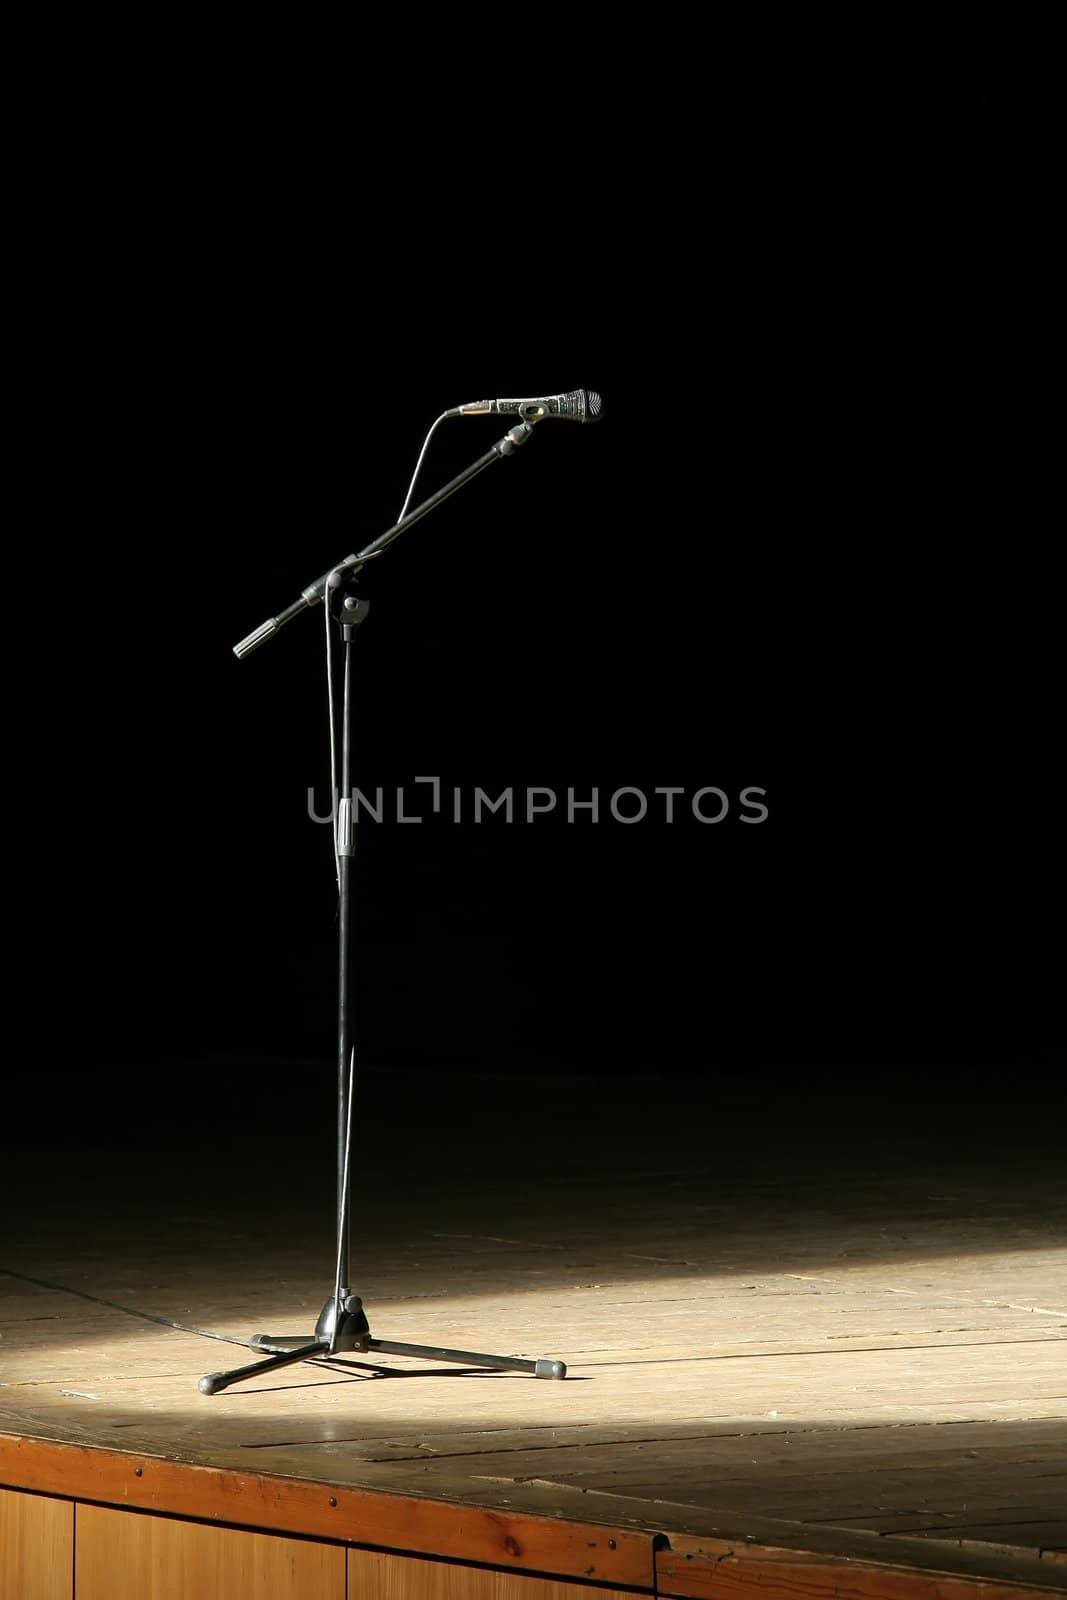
x,y
580,405
583,405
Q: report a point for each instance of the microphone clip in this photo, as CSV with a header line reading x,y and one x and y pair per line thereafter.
x,y
516,436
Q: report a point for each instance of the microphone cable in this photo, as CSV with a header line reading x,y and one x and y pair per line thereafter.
x,y
334,797
335,811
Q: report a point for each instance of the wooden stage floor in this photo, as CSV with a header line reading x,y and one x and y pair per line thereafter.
x,y
784,1332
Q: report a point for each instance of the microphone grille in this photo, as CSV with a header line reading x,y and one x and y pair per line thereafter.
x,y
594,403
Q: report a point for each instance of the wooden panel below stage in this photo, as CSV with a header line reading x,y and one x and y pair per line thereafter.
x,y
58,1550
144,1553
124,1553
377,1575
36,1547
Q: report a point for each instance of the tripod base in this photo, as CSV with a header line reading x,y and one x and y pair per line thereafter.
x,y
350,1332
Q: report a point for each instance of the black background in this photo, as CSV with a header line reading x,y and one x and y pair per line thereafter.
x,y
805,550
798,553
713,586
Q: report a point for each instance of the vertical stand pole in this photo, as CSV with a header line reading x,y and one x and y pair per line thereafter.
x,y
352,612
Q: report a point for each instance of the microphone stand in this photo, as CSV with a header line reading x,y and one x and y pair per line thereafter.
x,y
342,1325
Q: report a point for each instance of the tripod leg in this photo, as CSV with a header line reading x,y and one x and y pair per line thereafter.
x,y
216,1381
543,1367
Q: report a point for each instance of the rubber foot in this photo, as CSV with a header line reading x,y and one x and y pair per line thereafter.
x,y
210,1384
546,1368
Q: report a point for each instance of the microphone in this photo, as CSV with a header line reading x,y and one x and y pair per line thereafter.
x,y
581,405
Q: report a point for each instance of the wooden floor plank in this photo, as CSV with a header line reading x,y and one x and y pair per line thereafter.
x,y
818,1347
